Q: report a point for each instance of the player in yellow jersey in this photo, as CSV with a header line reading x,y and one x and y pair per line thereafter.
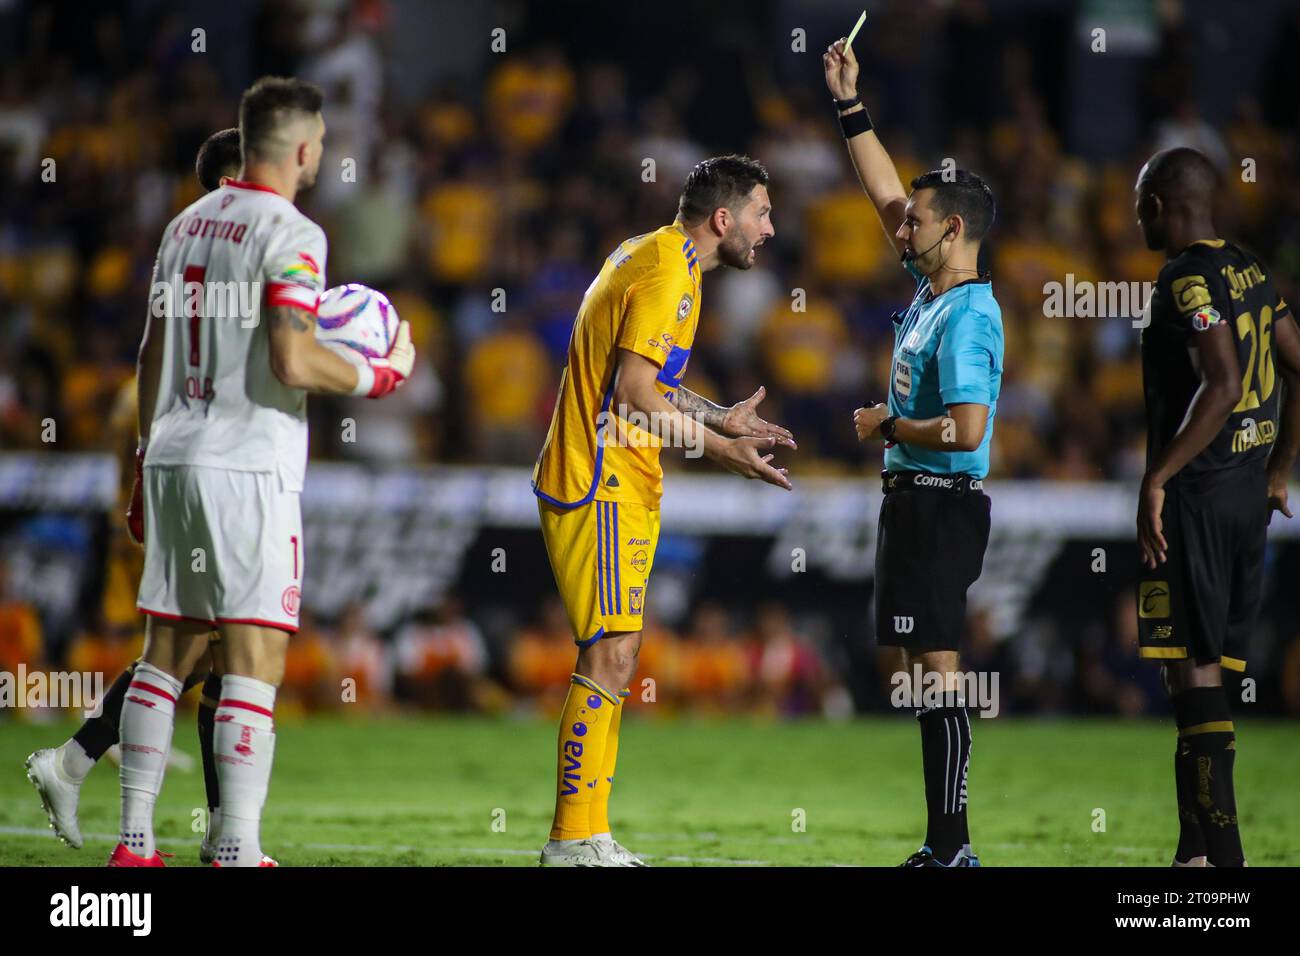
x,y
598,478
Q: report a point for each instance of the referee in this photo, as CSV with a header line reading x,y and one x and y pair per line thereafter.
x,y
945,377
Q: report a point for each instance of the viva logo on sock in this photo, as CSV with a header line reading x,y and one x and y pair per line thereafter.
x,y
572,764
573,748
245,746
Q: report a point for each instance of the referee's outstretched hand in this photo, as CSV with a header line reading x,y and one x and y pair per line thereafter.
x,y
744,456
841,68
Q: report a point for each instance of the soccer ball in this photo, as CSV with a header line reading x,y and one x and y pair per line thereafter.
x,y
355,318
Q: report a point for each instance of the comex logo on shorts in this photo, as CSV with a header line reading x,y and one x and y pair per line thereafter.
x,y
73,909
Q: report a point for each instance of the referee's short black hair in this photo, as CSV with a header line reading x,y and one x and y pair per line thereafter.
x,y
723,181
960,193
218,156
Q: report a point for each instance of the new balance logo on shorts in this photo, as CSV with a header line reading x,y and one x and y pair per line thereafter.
x,y
902,625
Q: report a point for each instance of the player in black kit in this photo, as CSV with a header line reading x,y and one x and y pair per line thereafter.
x,y
1220,355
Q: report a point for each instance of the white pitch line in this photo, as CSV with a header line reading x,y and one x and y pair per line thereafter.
x,y
377,848
510,851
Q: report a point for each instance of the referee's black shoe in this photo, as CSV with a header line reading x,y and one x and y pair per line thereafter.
x,y
925,857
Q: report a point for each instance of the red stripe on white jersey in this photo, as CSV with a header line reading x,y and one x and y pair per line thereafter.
x,y
244,184
278,625
174,617
286,293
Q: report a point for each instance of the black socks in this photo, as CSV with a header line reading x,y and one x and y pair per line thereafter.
x,y
945,755
1207,748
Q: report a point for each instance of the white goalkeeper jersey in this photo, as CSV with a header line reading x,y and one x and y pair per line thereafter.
x,y
222,260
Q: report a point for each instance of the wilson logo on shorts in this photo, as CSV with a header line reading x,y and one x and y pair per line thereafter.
x,y
902,625
1153,599
634,599
291,600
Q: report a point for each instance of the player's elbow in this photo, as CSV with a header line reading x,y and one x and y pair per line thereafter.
x,y
289,368
632,393
1227,396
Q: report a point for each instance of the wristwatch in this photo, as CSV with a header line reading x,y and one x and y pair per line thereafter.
x,y
887,427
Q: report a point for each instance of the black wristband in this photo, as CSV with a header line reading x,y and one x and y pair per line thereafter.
x,y
854,124
849,103
887,427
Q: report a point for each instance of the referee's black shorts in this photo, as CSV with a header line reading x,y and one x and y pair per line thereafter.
x,y
930,547
1203,601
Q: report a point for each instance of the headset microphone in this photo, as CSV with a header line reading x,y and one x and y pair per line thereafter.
x,y
909,256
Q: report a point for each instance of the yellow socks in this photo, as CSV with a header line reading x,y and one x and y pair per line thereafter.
x,y
599,813
589,711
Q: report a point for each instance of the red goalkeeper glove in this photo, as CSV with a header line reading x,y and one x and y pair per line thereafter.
x,y
135,510
380,376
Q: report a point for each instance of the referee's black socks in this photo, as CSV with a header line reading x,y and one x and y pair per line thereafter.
x,y
945,755
1207,748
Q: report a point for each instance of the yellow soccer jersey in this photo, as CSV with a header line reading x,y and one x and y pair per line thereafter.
x,y
647,300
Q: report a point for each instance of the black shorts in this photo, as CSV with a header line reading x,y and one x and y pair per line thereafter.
x,y
929,549
1203,601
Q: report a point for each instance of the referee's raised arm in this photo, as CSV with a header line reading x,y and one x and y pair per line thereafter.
x,y
875,169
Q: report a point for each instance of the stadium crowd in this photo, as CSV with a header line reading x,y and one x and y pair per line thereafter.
x,y
485,207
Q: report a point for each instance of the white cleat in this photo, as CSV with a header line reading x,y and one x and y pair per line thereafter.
x,y
620,854
577,853
59,795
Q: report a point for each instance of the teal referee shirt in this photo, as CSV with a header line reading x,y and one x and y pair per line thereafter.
x,y
947,350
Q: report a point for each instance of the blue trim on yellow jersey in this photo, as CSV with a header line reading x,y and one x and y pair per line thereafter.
x,y
600,458
600,557
671,372
618,590
607,512
600,632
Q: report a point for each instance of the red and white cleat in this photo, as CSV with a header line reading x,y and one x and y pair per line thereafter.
x,y
122,856
266,861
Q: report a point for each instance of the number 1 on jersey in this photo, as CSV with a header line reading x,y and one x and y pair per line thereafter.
x,y
194,275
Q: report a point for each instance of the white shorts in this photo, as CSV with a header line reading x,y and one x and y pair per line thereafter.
x,y
221,547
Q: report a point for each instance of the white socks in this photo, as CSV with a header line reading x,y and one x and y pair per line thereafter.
x,y
74,763
148,714
243,744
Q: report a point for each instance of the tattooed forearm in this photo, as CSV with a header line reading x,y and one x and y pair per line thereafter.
x,y
300,320
699,408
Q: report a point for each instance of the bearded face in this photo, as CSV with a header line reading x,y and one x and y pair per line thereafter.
x,y
737,250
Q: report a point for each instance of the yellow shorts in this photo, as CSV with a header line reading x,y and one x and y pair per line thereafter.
x,y
601,554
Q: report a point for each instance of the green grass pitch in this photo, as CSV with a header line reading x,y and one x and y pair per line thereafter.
x,y
469,791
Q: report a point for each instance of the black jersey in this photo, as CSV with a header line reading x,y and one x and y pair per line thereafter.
x,y
1209,282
